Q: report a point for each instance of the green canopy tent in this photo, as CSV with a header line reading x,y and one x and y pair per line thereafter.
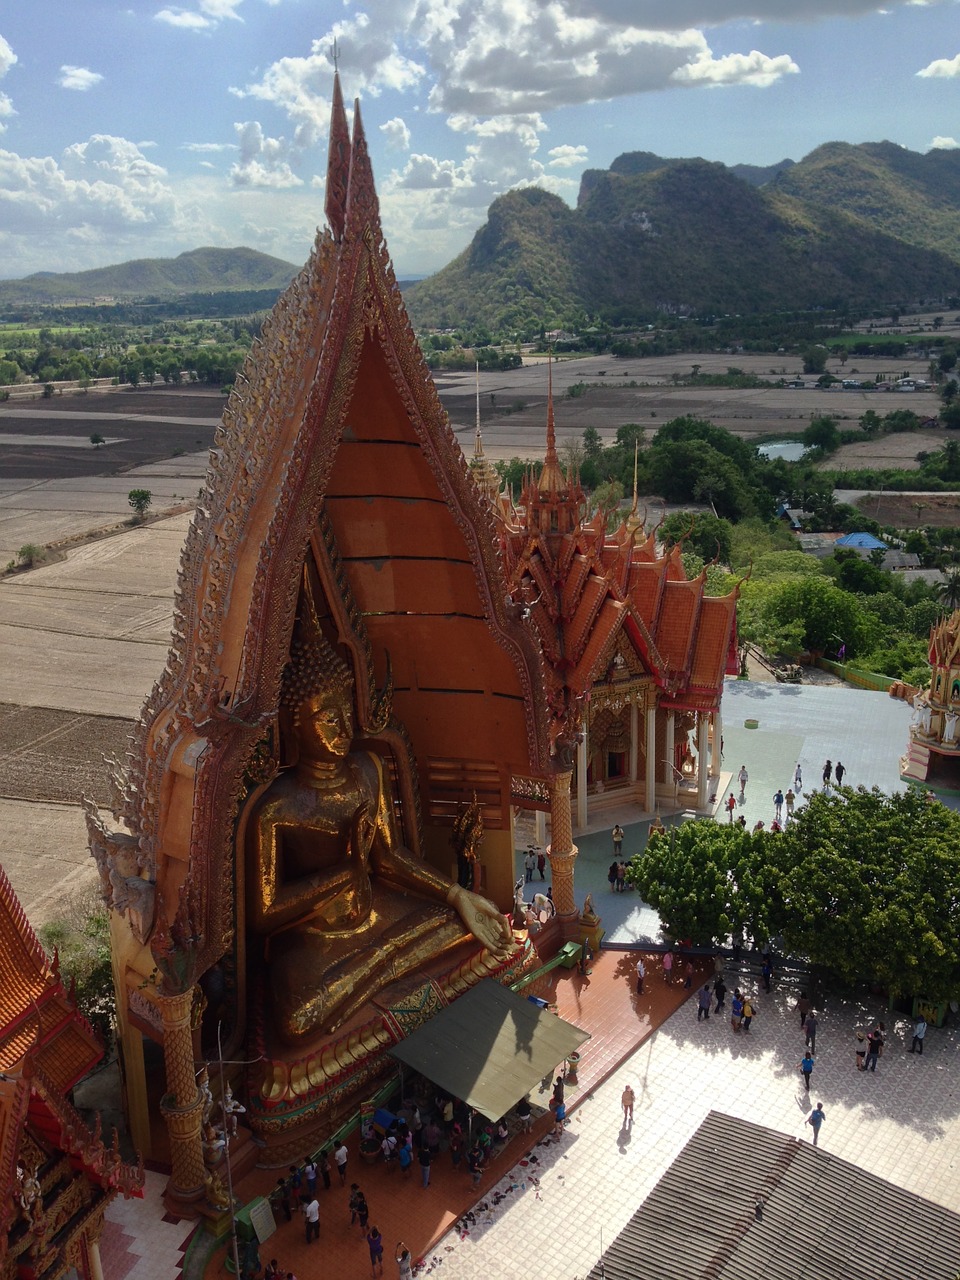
x,y
490,1047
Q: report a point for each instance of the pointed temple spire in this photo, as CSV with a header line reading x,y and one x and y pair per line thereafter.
x,y
338,163
483,470
551,477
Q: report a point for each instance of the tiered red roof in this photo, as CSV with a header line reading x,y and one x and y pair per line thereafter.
x,y
45,1048
583,586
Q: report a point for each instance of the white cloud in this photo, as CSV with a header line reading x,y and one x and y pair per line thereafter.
x,y
567,157
736,68
78,78
939,143
206,17
397,133
264,162
7,60
209,146
946,68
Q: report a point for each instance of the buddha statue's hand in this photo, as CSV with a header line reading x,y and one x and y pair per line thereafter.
x,y
487,924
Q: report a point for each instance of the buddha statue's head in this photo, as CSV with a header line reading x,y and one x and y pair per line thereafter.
x,y
318,693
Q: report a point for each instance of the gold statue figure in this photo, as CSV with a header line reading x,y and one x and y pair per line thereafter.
x,y
344,907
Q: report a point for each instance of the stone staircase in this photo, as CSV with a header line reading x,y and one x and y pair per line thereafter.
x,y
915,765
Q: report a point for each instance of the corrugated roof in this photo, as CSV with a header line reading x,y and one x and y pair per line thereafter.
x,y
822,1218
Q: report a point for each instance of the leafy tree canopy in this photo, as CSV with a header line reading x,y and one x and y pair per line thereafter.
x,y
864,884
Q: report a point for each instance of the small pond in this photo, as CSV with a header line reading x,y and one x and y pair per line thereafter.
x,y
788,450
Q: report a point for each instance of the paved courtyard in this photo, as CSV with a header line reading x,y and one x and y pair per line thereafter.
x,y
805,724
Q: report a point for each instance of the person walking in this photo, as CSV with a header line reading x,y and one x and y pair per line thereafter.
x,y
802,1007
815,1119
720,992
475,1163
874,1047
731,806
736,1010
324,1163
791,800
688,975
621,877
311,1219
806,1069
704,1000
810,1030
529,866
612,874
375,1245
310,1173
627,1099
405,1158
861,1051
641,974
340,1157
827,771
767,973
426,1159
919,1034
617,840
798,778
778,804
743,778
838,773
668,965
353,1202
363,1214
559,1120
748,1012
283,1196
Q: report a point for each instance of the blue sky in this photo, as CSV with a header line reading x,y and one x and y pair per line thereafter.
x,y
145,130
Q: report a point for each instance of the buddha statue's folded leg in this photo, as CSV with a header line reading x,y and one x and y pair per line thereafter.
x,y
319,980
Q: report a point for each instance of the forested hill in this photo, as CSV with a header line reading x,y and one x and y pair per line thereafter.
x,y
651,234
198,271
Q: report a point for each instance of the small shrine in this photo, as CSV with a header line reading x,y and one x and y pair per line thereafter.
x,y
635,652
933,752
58,1173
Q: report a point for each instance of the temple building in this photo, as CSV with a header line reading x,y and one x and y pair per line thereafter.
x,y
57,1173
292,866
638,648
933,753
373,664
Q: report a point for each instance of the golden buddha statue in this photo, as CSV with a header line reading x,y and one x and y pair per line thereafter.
x,y
344,908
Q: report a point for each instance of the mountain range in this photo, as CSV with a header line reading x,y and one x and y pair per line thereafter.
x,y
197,271
861,225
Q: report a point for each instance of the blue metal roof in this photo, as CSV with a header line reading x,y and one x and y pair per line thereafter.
x,y
864,540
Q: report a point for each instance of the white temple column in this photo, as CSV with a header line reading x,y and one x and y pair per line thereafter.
x,y
634,740
540,827
670,748
703,769
715,754
650,799
582,778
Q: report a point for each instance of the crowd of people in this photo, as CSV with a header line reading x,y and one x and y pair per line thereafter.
x,y
784,802
413,1137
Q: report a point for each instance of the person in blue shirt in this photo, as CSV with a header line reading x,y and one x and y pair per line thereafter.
x,y
806,1068
815,1119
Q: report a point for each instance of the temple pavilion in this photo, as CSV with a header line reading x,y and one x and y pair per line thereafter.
x,y
57,1173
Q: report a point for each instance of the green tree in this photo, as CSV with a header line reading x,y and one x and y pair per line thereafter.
x,y
81,938
31,554
814,359
140,500
822,434
705,534
948,591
